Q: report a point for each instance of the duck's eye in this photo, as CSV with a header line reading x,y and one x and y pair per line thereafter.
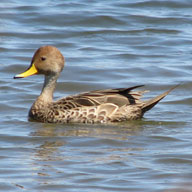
x,y
43,58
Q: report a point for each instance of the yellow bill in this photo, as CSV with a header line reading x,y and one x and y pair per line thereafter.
x,y
31,71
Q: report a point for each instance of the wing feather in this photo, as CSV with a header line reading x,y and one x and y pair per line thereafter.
x,y
119,97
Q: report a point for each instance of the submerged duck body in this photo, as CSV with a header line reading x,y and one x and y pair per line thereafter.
x,y
100,106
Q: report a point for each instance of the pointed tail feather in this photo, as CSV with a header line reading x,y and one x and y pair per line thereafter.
x,y
152,102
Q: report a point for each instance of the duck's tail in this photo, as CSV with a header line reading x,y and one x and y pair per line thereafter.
x,y
152,102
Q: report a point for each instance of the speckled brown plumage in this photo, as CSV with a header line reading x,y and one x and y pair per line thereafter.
x,y
101,106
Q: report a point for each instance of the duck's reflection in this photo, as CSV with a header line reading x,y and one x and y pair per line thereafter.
x,y
65,149
54,136
112,131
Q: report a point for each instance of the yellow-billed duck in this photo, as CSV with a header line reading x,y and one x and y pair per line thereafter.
x,y
100,106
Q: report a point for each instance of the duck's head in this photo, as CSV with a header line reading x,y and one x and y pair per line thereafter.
x,y
47,60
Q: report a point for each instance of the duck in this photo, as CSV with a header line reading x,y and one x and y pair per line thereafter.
x,y
98,106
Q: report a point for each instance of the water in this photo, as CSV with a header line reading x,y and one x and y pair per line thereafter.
x,y
106,44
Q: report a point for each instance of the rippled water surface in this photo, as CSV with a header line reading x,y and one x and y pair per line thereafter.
x,y
106,44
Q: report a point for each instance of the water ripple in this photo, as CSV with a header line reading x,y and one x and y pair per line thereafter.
x,y
106,44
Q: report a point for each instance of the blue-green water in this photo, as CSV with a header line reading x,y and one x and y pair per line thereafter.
x,y
106,44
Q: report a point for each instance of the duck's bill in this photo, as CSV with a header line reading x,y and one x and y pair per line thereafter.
x,y
31,71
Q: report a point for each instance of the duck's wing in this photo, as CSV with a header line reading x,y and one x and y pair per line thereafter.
x,y
119,97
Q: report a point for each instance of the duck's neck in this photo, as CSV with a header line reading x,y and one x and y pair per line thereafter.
x,y
39,108
46,95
